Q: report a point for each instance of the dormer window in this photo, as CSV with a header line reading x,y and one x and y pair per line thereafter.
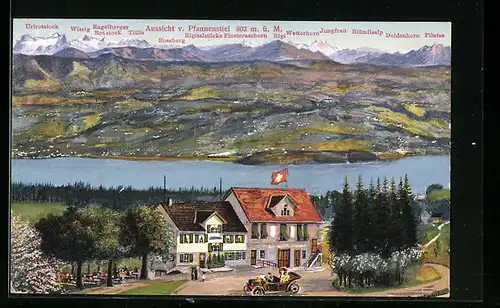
x,y
214,228
285,211
281,205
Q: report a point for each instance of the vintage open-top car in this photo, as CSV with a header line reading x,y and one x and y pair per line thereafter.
x,y
261,285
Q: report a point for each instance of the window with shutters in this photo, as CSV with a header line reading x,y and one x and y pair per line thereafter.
x,y
229,239
214,228
213,247
186,257
234,255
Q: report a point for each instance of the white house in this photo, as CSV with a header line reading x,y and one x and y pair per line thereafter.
x,y
282,226
206,231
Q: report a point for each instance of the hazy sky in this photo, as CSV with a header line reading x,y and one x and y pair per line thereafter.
x,y
343,39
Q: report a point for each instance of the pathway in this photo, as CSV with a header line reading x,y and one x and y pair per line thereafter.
x,y
437,236
442,283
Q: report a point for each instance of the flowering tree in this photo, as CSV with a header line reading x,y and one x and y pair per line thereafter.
x,y
30,271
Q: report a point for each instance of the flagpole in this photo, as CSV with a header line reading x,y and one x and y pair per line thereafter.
x,y
286,181
220,189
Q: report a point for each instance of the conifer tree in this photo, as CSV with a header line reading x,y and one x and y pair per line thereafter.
x,y
394,221
361,214
372,226
340,234
408,218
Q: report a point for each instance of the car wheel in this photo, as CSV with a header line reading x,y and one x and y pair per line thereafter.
x,y
294,288
258,292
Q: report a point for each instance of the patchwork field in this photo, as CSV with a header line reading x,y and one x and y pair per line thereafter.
x,y
122,107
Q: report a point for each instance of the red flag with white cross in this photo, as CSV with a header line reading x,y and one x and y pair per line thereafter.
x,y
278,177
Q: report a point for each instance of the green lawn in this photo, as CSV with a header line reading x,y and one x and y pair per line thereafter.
x,y
32,212
155,288
426,274
426,232
439,194
438,252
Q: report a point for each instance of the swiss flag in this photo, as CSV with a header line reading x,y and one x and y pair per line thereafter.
x,y
278,177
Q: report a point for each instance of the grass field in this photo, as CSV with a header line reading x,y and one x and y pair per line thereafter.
x,y
155,288
439,194
439,251
426,232
32,212
426,274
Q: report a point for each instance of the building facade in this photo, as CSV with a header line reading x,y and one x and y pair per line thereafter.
x,y
282,226
205,233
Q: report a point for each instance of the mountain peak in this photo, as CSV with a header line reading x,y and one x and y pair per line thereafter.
x,y
57,34
26,37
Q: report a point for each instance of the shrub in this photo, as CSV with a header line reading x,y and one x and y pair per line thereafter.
x,y
336,284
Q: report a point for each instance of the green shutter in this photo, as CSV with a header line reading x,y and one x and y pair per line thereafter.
x,y
284,231
191,257
300,234
206,237
181,238
304,230
255,231
209,247
190,238
231,239
196,238
263,231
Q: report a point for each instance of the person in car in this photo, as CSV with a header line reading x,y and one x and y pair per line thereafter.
x,y
284,276
269,278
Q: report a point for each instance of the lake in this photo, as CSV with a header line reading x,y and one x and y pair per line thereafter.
x,y
316,178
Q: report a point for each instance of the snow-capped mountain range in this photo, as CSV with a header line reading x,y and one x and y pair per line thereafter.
x,y
88,47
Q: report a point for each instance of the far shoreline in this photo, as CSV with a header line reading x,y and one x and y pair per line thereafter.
x,y
384,157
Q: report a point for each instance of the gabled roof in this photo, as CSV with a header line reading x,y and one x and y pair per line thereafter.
x,y
275,199
254,202
200,216
190,216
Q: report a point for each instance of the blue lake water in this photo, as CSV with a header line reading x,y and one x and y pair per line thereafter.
x,y
317,179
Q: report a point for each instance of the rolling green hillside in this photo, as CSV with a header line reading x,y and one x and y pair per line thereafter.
x,y
110,106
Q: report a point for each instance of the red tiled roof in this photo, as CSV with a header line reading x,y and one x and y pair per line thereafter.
x,y
254,201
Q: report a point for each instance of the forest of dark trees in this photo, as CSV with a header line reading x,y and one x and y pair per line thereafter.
x,y
120,197
117,198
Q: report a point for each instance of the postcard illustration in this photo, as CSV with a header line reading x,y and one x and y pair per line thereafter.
x,y
230,158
